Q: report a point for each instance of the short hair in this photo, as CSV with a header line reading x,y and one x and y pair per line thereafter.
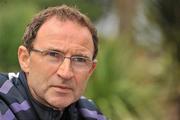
x,y
63,13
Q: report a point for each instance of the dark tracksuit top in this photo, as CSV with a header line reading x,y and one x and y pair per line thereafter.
x,y
16,103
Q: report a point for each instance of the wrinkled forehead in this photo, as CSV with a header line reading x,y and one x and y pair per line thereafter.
x,y
64,34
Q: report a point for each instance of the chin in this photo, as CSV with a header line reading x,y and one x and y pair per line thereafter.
x,y
60,103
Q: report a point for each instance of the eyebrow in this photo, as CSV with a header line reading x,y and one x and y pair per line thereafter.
x,y
56,50
80,55
77,54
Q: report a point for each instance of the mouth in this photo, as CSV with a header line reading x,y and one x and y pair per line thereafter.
x,y
62,89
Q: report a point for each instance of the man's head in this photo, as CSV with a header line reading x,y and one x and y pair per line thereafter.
x,y
63,13
58,55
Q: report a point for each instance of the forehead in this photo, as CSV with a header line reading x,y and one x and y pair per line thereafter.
x,y
66,35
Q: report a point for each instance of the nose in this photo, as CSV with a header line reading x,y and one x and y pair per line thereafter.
x,y
65,70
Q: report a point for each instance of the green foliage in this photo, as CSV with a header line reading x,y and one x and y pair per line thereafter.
x,y
12,25
93,8
166,15
125,84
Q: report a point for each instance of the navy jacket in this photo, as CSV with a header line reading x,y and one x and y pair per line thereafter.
x,y
16,103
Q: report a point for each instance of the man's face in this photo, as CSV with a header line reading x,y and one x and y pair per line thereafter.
x,y
50,84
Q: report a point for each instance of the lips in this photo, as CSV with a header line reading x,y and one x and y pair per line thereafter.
x,y
63,89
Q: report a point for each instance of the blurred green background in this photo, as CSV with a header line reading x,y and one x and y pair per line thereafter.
x,y
138,71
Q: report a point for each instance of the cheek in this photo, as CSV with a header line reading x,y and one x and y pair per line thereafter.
x,y
38,80
40,68
39,73
81,84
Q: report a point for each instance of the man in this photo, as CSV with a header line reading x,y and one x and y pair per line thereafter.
x,y
57,58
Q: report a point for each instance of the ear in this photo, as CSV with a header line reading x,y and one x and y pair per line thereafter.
x,y
24,58
92,68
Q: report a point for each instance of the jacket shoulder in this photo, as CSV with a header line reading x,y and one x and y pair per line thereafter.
x,y
88,109
7,76
3,78
86,103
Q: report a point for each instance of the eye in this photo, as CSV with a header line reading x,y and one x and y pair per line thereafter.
x,y
80,59
53,54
